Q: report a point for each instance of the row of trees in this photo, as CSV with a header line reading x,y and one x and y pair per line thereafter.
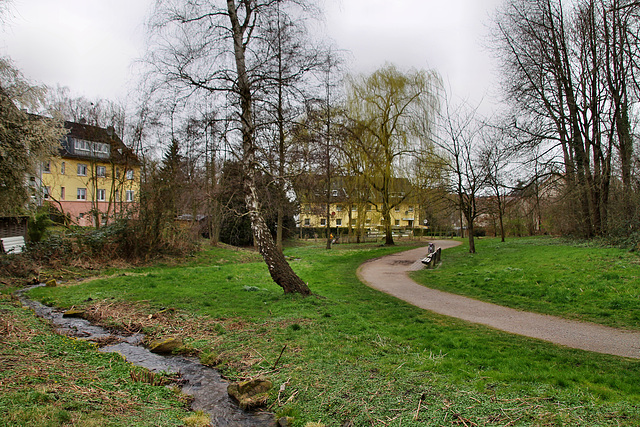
x,y
571,74
246,110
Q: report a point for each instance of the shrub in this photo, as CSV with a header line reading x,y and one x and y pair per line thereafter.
x,y
38,224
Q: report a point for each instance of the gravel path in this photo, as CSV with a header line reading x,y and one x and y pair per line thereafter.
x,y
389,274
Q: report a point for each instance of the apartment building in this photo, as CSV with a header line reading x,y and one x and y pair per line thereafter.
x,y
94,178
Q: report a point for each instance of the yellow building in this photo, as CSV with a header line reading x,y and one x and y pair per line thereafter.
x,y
314,215
361,209
94,178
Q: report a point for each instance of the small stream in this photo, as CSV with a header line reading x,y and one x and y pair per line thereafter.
x,y
208,388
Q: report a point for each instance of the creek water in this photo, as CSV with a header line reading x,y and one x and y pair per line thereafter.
x,y
205,385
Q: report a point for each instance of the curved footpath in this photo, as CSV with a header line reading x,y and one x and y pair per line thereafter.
x,y
389,274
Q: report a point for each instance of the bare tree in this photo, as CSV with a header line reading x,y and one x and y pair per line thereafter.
x,y
292,60
460,145
495,158
215,47
569,68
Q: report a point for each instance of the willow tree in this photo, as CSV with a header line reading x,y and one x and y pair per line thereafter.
x,y
390,115
215,48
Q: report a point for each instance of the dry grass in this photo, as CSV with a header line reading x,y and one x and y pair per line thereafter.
x,y
130,318
56,379
46,379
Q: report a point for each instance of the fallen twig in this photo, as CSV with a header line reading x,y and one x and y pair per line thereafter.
x,y
415,417
278,359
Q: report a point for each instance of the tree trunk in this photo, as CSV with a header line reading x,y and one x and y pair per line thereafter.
x,y
280,219
386,214
501,209
279,269
470,232
388,232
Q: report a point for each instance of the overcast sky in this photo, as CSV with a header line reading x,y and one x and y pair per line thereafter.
x,y
89,45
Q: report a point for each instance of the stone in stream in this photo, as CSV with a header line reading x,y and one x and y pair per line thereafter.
x,y
165,346
74,312
251,393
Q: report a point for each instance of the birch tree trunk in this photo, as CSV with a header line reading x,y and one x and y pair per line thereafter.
x,y
280,271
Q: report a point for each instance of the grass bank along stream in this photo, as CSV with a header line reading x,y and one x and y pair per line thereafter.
x,y
353,354
52,380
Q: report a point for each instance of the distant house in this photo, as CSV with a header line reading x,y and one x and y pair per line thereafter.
x,y
357,206
94,177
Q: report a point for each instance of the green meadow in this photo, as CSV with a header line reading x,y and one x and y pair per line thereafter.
x,y
582,282
349,354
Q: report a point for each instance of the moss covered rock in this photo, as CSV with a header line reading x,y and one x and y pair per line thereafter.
x,y
250,394
74,312
166,345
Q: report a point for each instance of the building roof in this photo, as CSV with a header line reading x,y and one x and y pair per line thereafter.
x,y
118,152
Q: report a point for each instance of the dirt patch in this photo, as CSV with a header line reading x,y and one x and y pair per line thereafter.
x,y
402,262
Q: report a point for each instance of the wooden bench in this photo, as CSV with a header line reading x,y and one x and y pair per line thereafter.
x,y
13,245
432,259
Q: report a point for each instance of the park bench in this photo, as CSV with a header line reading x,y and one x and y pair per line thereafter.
x,y
432,259
13,245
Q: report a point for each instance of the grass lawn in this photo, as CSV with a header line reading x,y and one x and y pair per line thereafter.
x,y
51,380
352,354
600,285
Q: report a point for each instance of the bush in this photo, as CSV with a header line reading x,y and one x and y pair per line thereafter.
x,y
124,240
38,224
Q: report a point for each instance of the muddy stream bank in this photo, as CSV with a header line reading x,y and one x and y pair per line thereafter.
x,y
204,384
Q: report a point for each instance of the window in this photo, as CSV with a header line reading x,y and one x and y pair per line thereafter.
x,y
82,169
353,222
129,173
410,208
397,208
397,222
323,221
354,208
46,167
129,195
82,194
101,171
101,194
334,193
368,221
61,193
63,167
338,222
81,145
46,191
338,208
307,221
102,148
